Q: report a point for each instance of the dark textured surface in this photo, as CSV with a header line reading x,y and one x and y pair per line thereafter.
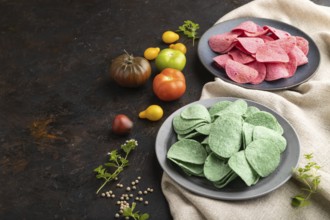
x,y
57,104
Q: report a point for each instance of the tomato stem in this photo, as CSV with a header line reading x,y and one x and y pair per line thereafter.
x,y
129,58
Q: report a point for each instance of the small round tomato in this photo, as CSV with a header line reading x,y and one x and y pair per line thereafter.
x,y
170,58
151,53
170,37
169,85
179,46
152,113
122,124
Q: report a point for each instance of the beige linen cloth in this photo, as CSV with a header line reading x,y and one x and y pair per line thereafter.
x,y
306,107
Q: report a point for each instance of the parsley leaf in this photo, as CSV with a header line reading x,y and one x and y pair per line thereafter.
x,y
116,161
189,28
129,212
310,179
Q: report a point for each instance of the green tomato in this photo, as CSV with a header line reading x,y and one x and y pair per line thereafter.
x,y
170,58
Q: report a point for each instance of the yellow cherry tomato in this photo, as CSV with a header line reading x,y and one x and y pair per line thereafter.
x,y
179,46
152,113
170,37
151,53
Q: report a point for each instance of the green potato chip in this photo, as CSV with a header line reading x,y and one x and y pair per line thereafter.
x,y
204,129
265,119
279,128
231,114
263,156
225,137
184,126
205,141
208,149
247,134
196,111
242,168
250,110
260,132
219,106
215,168
191,135
187,150
224,182
189,168
194,171
238,107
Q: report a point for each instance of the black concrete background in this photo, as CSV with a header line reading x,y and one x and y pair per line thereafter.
x,y
57,103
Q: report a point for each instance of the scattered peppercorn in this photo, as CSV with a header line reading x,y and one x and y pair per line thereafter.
x,y
124,199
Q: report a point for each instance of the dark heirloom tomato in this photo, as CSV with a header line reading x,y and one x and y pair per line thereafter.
x,y
130,71
169,85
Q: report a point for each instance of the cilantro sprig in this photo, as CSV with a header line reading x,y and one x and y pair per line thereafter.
x,y
116,161
189,28
129,212
311,180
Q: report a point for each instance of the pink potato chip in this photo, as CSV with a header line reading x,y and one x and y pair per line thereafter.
x,y
250,44
287,43
300,56
246,26
281,70
221,60
271,53
277,32
221,43
266,38
240,57
260,32
276,71
303,44
239,72
292,64
262,71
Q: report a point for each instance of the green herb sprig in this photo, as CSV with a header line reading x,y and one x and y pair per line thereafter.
x,y
311,180
189,28
117,161
129,212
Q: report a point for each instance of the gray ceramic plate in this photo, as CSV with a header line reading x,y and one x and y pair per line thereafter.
x,y
303,73
236,190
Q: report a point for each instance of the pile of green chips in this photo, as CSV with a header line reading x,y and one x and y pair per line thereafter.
x,y
229,140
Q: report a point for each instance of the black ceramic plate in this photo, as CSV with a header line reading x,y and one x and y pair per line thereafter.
x,y
303,73
236,190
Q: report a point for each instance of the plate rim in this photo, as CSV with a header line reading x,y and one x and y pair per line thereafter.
x,y
204,39
218,194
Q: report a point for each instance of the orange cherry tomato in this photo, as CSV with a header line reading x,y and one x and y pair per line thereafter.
x,y
169,85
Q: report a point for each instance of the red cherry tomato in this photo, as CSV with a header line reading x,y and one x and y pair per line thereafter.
x,y
169,85
121,124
